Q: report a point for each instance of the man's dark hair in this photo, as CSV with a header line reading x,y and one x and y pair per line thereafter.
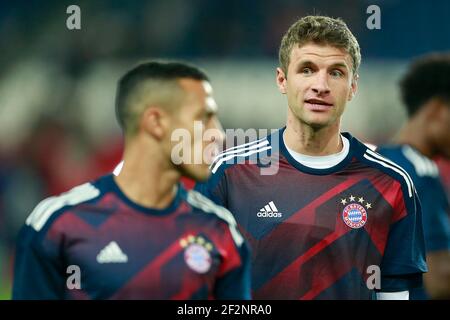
x,y
161,74
428,77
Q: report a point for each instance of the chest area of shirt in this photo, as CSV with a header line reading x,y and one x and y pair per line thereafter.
x,y
312,204
143,258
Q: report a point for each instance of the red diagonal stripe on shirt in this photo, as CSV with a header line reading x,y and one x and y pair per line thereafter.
x,y
148,273
188,287
290,283
393,194
321,280
381,214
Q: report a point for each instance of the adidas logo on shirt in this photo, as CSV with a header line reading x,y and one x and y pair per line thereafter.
x,y
269,211
112,254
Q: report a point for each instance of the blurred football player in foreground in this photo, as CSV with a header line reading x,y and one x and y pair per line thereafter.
x,y
140,235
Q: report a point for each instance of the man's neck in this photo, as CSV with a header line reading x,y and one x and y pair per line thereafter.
x,y
147,179
310,141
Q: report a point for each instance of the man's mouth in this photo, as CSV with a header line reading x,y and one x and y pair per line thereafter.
x,y
318,105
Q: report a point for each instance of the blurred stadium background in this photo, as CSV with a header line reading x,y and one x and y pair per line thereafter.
x,y
57,125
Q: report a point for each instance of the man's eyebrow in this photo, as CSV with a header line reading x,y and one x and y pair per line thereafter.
x,y
309,62
339,64
305,62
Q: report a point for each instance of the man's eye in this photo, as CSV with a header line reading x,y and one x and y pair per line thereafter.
x,y
336,73
307,71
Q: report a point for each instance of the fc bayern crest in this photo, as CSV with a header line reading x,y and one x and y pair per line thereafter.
x,y
197,253
354,215
197,258
355,211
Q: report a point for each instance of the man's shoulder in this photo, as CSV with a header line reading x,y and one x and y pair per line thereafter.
x,y
46,212
384,165
422,170
208,208
241,154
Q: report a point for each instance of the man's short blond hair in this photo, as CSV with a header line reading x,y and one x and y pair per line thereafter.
x,y
320,30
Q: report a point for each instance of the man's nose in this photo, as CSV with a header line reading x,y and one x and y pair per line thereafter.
x,y
320,85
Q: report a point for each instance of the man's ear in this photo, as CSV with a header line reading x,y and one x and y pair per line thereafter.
x,y
281,81
153,122
354,87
